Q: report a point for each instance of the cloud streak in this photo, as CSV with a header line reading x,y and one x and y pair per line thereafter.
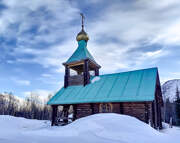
x,y
21,82
123,36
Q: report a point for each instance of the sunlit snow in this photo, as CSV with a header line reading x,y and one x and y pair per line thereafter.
x,y
98,128
96,78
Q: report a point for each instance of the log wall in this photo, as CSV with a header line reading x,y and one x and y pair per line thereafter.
x,y
83,110
76,80
138,110
142,111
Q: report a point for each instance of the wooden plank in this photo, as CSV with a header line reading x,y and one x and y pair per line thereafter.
x,y
76,64
76,80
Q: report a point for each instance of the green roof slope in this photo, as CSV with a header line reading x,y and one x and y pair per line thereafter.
x,y
81,53
132,86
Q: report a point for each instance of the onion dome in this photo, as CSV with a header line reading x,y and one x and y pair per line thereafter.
x,y
82,35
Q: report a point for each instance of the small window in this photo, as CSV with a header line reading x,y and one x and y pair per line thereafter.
x,y
105,108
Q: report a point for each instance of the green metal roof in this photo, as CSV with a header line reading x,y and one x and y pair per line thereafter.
x,y
132,86
81,53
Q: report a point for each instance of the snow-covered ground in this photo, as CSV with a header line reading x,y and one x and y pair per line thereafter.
x,y
99,128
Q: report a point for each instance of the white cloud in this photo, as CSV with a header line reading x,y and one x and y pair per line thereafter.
x,y
110,56
22,82
40,93
144,22
170,35
128,26
177,74
50,18
46,75
115,32
53,57
155,54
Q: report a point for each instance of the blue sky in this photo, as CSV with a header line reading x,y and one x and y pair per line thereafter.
x,y
37,36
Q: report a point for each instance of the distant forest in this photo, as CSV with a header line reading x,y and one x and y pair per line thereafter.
x,y
32,107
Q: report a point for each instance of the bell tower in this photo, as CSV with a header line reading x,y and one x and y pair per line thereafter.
x,y
81,65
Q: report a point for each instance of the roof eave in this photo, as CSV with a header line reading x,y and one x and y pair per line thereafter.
x,y
74,62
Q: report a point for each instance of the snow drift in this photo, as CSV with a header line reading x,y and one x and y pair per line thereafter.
x,y
100,128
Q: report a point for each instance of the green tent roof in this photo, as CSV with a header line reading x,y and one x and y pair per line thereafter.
x,y
132,86
81,53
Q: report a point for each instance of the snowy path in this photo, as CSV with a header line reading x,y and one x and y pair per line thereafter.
x,y
100,128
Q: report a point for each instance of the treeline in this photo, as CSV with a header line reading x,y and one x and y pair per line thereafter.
x,y
32,107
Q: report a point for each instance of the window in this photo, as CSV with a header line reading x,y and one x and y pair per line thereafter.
x,y
105,108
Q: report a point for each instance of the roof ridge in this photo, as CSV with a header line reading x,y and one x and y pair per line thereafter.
x,y
127,71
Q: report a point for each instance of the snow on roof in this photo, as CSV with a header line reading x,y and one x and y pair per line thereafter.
x,y
96,78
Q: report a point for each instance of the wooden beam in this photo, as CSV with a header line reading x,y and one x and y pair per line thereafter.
x,y
75,64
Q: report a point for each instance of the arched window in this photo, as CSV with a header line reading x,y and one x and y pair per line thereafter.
x,y
105,108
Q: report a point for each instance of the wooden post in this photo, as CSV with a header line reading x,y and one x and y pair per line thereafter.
x,y
92,108
156,115
146,113
160,118
121,108
66,77
66,113
86,72
54,114
158,109
74,112
159,94
96,72
152,115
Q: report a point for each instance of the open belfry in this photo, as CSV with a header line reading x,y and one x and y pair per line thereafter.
x,y
135,93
